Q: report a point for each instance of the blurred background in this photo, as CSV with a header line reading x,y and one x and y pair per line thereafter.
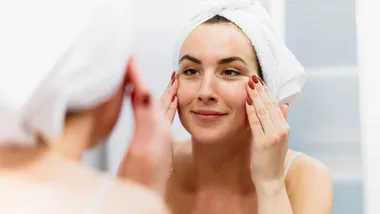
x,y
324,120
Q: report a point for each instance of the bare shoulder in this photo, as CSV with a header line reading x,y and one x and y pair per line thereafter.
x,y
304,165
309,185
130,197
116,195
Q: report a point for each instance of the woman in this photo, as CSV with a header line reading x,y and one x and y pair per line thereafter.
x,y
238,160
55,110
49,177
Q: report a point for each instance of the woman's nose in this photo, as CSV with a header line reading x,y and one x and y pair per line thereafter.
x,y
206,92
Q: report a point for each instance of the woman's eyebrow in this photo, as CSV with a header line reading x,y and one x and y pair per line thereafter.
x,y
188,57
231,59
222,61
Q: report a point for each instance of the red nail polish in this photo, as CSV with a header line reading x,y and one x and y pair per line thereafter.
x,y
255,79
145,101
174,77
262,82
251,85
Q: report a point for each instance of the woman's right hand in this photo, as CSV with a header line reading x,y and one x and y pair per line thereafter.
x,y
149,158
168,101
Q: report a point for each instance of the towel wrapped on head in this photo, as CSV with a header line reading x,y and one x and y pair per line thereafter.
x,y
282,72
58,56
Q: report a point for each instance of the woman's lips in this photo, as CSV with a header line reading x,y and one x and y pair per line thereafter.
x,y
208,115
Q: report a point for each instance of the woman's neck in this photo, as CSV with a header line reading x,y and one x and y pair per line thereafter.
x,y
71,145
225,165
14,157
76,138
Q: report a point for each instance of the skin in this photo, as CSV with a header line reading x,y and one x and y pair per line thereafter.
x,y
29,176
223,168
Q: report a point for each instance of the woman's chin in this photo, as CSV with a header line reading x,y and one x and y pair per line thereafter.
x,y
207,137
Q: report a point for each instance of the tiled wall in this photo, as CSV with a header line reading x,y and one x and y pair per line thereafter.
x,y
325,120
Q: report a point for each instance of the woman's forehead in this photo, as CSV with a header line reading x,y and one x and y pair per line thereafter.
x,y
222,39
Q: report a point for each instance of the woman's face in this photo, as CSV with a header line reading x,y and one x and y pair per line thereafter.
x,y
216,62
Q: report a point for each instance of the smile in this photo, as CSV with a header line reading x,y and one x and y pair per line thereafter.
x,y
208,115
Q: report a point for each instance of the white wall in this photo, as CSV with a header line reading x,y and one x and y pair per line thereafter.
x,y
368,33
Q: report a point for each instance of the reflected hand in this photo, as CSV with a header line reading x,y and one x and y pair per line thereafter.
x,y
149,157
270,132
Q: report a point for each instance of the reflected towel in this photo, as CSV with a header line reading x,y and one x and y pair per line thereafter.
x,y
57,56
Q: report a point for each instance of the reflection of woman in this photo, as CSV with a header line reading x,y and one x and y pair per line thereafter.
x,y
62,110
50,172
237,160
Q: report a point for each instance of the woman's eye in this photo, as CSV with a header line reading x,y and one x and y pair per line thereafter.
x,y
230,72
190,72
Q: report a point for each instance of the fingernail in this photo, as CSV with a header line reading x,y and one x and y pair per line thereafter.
x,y
262,82
145,100
173,74
173,78
255,79
251,85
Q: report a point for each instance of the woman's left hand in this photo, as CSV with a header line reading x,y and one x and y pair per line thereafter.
x,y
270,132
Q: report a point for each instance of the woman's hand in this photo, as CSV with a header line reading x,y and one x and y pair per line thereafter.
x,y
150,155
270,132
168,101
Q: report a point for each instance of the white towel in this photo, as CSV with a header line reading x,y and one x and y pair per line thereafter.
x,y
57,56
283,74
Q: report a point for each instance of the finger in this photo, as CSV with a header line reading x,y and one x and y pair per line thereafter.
x,y
134,163
260,109
127,85
268,102
254,122
137,164
134,78
144,115
280,112
142,105
172,109
265,87
170,91
284,111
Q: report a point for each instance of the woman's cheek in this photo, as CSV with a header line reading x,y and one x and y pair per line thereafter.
x,y
236,92
185,94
